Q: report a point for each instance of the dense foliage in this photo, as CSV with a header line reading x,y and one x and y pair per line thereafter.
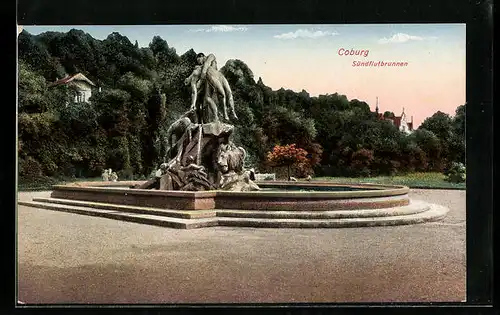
x,y
142,92
288,155
456,173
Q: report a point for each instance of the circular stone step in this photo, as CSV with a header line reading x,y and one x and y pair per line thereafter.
x,y
435,212
430,212
416,206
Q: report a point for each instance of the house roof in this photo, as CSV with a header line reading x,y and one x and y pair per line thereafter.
x,y
396,120
68,79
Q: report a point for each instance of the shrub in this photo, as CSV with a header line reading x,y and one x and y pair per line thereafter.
x,y
386,166
303,170
39,183
361,161
456,173
125,174
30,168
288,155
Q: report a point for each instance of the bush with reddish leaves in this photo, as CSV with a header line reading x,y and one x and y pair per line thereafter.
x,y
288,155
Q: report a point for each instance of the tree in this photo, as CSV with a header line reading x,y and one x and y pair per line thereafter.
x,y
416,158
440,124
34,53
458,142
284,125
237,73
287,155
164,54
42,142
113,106
138,88
363,107
431,145
158,45
361,161
153,136
389,114
456,173
458,121
31,90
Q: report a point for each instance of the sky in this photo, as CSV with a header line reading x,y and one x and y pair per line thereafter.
x,y
311,57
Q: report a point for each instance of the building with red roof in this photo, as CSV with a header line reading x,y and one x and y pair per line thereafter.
x,y
80,84
400,122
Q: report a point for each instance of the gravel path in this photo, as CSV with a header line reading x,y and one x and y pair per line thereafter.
x,y
69,258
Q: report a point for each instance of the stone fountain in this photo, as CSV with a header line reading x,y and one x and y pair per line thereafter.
x,y
203,182
201,155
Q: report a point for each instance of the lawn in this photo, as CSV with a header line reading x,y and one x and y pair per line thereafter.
x,y
412,180
47,183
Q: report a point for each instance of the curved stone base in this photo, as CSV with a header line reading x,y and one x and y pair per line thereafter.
x,y
317,196
282,205
434,213
416,212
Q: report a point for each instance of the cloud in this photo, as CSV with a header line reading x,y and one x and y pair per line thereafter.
x,y
222,28
304,33
402,38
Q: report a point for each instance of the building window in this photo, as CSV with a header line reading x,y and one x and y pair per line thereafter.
x,y
80,97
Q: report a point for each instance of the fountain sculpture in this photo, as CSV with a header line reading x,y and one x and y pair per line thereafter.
x,y
201,155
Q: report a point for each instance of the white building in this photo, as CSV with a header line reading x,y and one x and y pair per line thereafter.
x,y
400,122
81,85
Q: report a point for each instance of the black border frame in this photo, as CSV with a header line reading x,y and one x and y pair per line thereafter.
x,y
478,16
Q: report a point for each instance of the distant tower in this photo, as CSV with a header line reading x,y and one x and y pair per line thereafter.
x,y
376,106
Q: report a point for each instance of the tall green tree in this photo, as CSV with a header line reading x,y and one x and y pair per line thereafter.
x,y
431,145
32,87
440,124
458,142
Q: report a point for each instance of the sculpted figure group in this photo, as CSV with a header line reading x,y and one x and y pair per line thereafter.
x,y
200,154
109,175
208,81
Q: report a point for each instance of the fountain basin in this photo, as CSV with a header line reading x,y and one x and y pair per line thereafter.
x,y
278,195
278,205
